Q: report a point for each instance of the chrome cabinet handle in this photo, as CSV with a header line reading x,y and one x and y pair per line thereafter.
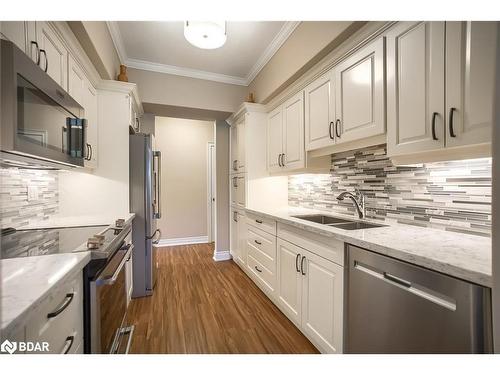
x,y
257,269
64,305
297,263
337,123
434,136
46,60
450,122
258,242
68,345
37,51
302,266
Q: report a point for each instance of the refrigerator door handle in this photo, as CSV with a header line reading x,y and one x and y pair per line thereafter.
x,y
157,154
153,235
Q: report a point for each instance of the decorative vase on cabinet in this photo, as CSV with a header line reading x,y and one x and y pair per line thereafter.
x,y
123,74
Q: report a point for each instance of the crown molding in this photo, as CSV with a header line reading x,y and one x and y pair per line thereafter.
x,y
185,72
280,38
116,36
286,30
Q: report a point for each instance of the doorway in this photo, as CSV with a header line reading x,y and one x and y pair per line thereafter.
x,y
211,191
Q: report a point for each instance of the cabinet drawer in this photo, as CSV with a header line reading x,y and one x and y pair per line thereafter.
x,y
264,277
263,247
326,247
267,225
64,330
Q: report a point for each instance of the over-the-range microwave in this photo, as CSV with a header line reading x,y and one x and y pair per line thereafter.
x,y
42,125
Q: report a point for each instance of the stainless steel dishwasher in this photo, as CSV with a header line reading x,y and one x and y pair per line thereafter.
x,y
396,307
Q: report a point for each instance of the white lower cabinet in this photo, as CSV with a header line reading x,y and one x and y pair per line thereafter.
x,y
310,294
238,237
129,278
58,320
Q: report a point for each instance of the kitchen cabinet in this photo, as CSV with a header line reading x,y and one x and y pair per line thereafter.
x,y
286,135
238,190
470,82
359,94
23,35
290,281
233,168
129,277
134,115
58,319
320,112
90,104
238,237
53,53
440,78
76,81
240,161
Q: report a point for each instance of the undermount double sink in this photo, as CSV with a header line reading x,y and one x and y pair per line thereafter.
x,y
338,222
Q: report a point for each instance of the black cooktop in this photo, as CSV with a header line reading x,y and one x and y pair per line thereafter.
x,y
33,242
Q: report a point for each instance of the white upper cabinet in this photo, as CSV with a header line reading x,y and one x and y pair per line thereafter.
x,y
76,81
415,87
90,101
16,32
275,139
470,81
241,145
359,87
53,53
293,133
320,112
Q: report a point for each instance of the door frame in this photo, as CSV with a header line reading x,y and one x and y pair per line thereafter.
x,y
211,189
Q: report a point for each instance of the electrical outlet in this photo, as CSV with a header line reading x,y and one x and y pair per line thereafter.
x,y
32,193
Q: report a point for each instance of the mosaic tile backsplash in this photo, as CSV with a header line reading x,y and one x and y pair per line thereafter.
x,y
453,196
15,208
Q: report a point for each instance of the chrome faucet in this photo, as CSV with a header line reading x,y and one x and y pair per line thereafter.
x,y
358,199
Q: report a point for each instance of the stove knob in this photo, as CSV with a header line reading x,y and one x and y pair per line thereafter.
x,y
120,223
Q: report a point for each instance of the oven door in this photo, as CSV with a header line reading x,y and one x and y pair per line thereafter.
x,y
109,306
39,119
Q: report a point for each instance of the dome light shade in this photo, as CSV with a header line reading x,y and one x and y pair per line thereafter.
x,y
205,34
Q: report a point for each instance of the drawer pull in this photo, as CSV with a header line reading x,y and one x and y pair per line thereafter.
x,y
302,266
68,345
257,269
258,242
297,263
258,221
67,301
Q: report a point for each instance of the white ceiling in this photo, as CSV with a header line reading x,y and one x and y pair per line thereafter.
x,y
161,47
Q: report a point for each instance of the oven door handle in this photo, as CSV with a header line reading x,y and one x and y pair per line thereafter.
x,y
111,280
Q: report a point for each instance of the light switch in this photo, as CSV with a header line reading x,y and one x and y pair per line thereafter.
x,y
32,193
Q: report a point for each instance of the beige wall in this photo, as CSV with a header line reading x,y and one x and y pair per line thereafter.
x,y
183,144
96,40
172,90
309,42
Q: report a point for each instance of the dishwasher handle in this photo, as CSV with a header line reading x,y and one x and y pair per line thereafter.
x,y
397,280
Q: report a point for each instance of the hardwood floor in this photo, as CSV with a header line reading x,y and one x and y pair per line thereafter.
x,y
203,306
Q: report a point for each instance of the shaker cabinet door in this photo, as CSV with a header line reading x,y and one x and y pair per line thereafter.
x,y
274,139
415,87
293,133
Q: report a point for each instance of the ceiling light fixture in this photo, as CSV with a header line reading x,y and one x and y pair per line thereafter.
x,y
205,34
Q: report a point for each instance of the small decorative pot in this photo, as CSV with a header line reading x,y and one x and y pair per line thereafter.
x,y
123,74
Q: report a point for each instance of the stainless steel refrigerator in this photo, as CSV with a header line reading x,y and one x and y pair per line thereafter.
x,y
145,202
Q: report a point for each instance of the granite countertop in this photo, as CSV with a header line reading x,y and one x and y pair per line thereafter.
x,y
80,221
27,281
464,256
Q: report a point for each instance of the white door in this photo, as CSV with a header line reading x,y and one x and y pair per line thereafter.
x,y
241,191
470,83
274,139
16,32
90,104
211,191
320,112
415,87
241,145
242,240
76,82
322,302
293,132
290,280
234,234
54,56
360,99
233,168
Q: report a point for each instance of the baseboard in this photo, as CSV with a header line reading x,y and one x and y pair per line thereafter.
x,y
181,241
222,255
